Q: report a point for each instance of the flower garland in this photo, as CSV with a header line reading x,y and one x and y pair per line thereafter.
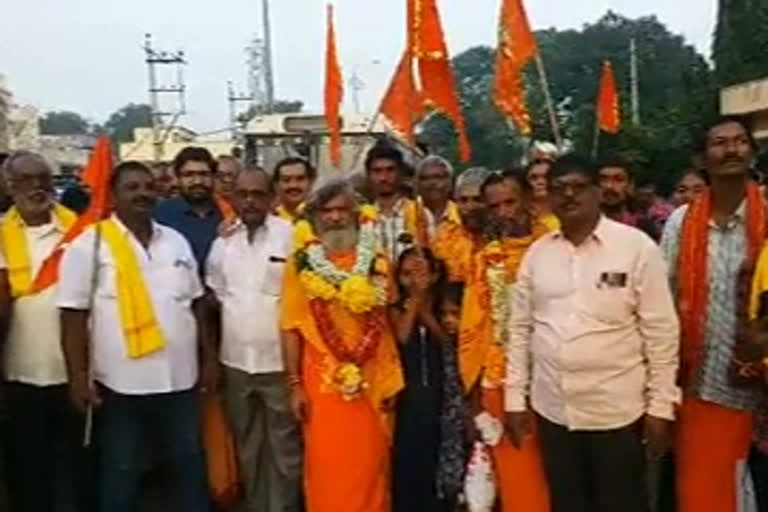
x,y
356,289
496,278
348,376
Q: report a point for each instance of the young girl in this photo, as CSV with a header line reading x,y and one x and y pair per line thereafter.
x,y
417,425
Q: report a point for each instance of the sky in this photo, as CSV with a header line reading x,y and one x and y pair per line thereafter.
x,y
86,56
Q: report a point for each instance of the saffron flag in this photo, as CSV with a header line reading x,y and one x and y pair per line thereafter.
x,y
403,103
96,175
435,73
517,46
608,113
334,90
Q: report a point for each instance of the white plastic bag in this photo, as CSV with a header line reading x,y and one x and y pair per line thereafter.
x,y
491,430
480,483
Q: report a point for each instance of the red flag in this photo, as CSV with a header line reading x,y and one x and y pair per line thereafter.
x,y
608,113
96,175
334,90
435,73
517,46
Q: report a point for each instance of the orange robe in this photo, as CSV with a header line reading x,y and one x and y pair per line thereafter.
x,y
454,246
346,442
520,475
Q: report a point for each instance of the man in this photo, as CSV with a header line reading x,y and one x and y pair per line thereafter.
x,y
293,178
245,272
402,222
457,240
131,319
164,180
434,181
711,247
484,317
41,421
617,186
593,317
196,213
618,203
340,357
652,206
227,169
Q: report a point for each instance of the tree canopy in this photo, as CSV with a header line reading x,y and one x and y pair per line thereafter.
x,y
676,93
64,122
741,41
121,123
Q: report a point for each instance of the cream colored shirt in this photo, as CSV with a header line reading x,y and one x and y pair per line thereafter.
x,y
247,279
33,349
593,331
170,274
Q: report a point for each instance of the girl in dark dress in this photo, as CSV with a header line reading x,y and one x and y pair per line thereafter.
x,y
417,426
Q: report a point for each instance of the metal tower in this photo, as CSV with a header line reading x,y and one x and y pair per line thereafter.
x,y
154,59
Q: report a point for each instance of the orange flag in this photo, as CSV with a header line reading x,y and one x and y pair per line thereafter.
x,y
334,90
96,175
438,85
403,104
608,113
517,46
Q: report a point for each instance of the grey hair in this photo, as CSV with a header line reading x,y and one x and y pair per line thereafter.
x,y
254,169
472,177
434,161
328,190
11,163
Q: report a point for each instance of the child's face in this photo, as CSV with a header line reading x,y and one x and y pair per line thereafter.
x,y
414,271
450,313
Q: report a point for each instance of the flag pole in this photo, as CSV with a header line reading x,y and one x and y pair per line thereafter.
x,y
548,100
88,429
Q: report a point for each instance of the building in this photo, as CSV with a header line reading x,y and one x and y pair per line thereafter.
x,y
749,99
174,140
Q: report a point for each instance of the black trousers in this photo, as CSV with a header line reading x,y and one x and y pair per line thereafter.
x,y
594,471
46,463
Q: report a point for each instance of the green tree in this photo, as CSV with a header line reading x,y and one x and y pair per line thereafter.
x,y
64,123
121,123
676,95
741,41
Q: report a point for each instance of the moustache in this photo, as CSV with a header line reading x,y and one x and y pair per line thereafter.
x,y
293,191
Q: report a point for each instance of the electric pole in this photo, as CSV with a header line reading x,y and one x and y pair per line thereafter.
x,y
235,98
268,76
155,58
634,79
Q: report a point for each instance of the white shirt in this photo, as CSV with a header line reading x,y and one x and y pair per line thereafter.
x,y
593,331
33,349
170,274
247,279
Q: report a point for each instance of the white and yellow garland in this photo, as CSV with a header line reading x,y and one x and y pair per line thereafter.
x,y
495,275
357,290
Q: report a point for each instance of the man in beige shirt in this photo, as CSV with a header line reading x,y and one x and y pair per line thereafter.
x,y
594,336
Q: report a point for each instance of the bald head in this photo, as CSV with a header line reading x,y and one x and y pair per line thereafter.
x,y
30,182
252,196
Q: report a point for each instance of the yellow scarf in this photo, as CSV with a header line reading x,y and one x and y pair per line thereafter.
x,y
16,250
143,335
284,214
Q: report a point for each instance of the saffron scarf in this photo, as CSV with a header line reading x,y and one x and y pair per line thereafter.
x,y
692,272
225,209
16,249
143,335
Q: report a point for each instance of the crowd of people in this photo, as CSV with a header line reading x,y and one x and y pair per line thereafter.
x,y
374,338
